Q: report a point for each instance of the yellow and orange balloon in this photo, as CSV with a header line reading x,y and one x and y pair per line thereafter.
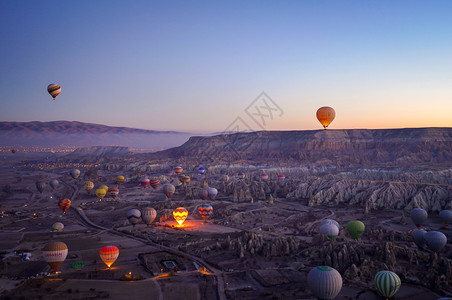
x,y
180,214
64,204
325,115
89,186
109,254
100,193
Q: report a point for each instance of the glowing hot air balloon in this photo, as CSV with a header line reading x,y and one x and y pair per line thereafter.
x,y
89,186
109,254
387,283
154,183
180,214
324,282
355,229
203,194
55,254
212,192
168,190
325,115
114,192
133,215
54,184
40,185
75,173
120,179
64,204
58,226
148,215
104,187
54,90
144,182
206,211
178,170
100,193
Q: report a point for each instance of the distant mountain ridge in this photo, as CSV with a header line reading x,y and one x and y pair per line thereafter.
x,y
71,127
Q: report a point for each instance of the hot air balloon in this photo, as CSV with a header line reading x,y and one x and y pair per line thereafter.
x,y
201,170
329,221
114,192
168,190
64,204
54,254
168,172
212,193
120,179
104,187
144,182
225,178
148,215
355,229
419,216
58,226
133,215
13,151
78,265
154,183
100,193
387,283
180,214
54,184
178,170
281,177
264,176
241,175
206,211
54,90
446,217
203,194
75,173
185,179
435,240
418,235
109,254
325,115
324,282
330,230
89,186
40,185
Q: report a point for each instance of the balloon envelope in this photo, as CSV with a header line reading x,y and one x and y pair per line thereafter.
x,y
78,265
203,194
446,216
64,204
154,183
133,215
54,183
120,179
329,221
55,254
178,170
104,187
325,115
109,254
212,192
180,214
100,193
387,283
148,215
324,282
114,192
54,90
418,235
419,216
144,182
40,185
88,186
355,229
330,230
168,190
75,173
435,240
58,226
205,210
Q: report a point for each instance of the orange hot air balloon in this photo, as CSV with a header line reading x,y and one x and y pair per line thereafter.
x,y
178,170
109,254
54,254
64,204
325,115
120,179
180,214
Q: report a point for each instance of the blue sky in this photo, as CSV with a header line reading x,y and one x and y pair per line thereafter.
x,y
196,65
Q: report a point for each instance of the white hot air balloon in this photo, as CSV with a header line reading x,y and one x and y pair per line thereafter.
x,y
324,282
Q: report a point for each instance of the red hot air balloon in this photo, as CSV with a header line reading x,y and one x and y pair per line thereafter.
x,y
64,204
144,182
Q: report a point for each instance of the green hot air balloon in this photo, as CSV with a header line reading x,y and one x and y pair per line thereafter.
x,y
387,283
355,229
78,265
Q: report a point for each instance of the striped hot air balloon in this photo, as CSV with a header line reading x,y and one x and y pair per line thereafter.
x,y
133,215
168,189
148,215
185,179
178,170
387,283
212,193
324,282
206,211
89,186
54,90
114,192
264,176
109,254
64,204
54,254
120,179
180,214
154,183
58,226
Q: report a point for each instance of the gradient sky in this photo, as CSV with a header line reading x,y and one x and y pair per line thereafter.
x,y
195,66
